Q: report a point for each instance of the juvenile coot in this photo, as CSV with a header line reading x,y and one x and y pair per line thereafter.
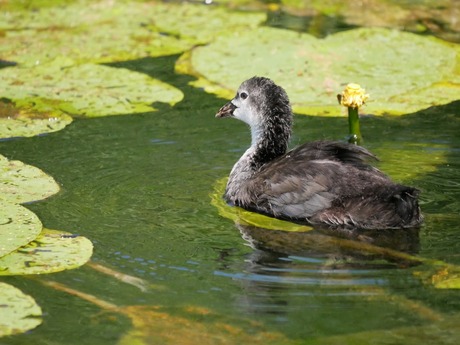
x,y
321,182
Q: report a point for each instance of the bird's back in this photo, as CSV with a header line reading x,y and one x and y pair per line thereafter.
x,y
332,183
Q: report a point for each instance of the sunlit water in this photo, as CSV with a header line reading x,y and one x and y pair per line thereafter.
x,y
139,188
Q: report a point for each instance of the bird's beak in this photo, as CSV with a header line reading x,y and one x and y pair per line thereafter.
x,y
227,110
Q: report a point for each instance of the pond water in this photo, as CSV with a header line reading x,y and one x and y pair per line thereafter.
x,y
139,187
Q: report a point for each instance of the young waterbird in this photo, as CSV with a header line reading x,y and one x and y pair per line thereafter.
x,y
321,182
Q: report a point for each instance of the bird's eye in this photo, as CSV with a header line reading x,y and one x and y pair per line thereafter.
x,y
243,95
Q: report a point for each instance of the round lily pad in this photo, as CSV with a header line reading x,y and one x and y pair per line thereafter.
x,y
18,226
19,312
403,72
86,90
52,251
20,183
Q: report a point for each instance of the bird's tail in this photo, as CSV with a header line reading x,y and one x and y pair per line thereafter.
x,y
407,207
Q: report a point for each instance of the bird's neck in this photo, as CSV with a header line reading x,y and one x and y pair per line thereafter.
x,y
268,141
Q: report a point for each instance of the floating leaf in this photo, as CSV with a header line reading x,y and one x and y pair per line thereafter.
x,y
23,122
202,24
52,251
244,217
20,183
85,31
19,312
402,72
65,87
89,31
18,226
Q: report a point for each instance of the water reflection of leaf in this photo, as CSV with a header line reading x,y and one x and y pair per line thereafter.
x,y
419,159
197,325
191,325
387,63
19,312
151,325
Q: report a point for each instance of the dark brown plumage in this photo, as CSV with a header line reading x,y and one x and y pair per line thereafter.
x,y
323,182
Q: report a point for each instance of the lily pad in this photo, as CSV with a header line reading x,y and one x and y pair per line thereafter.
x,y
23,122
65,87
20,183
101,31
52,251
84,31
18,226
403,72
19,312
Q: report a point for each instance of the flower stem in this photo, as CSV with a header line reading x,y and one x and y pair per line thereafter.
x,y
353,125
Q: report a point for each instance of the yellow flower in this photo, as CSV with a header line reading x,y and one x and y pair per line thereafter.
x,y
353,96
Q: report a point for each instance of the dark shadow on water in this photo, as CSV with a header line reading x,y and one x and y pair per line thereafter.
x,y
162,68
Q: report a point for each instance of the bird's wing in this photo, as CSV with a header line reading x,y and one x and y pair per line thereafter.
x,y
295,192
334,151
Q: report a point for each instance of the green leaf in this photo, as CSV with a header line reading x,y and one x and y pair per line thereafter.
x,y
96,32
101,31
18,226
24,122
20,183
201,24
64,87
52,251
402,72
18,312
